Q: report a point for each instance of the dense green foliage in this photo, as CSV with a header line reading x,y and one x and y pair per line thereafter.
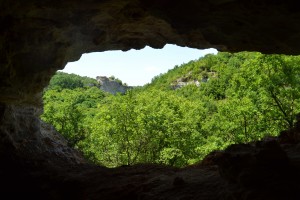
x,y
231,98
63,80
70,102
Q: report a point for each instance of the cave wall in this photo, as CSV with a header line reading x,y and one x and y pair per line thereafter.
x,y
39,37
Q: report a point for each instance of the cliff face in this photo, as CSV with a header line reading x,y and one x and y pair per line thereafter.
x,y
39,37
111,86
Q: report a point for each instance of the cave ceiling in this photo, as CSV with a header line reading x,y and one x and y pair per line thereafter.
x,y
39,37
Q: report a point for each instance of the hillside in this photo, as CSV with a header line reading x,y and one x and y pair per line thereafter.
x,y
111,84
193,72
63,80
201,70
180,117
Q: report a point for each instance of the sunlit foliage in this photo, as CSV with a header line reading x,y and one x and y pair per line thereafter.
x,y
240,97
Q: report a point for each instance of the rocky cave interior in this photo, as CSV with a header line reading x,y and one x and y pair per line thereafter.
x,y
39,37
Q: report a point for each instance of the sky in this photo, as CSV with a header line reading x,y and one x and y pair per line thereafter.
x,y
134,67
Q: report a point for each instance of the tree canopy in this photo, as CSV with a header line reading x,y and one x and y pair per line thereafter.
x,y
229,98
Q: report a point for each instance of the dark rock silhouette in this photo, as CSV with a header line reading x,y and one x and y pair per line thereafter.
x,y
39,37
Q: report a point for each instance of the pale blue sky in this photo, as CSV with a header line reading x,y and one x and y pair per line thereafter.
x,y
134,67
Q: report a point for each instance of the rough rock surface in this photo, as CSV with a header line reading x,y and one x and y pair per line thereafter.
x,y
39,37
179,84
111,86
31,138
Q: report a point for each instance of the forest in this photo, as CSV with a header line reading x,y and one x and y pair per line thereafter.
x,y
181,116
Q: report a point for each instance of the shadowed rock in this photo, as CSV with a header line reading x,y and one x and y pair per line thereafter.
x,y
39,37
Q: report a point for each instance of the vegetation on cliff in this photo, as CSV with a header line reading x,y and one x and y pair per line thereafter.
x,y
230,98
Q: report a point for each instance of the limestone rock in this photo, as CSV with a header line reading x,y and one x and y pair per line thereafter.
x,y
39,37
180,84
258,170
111,86
28,136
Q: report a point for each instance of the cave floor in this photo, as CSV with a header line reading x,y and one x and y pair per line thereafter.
x,y
262,171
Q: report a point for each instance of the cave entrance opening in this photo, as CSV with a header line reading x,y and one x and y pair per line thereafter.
x,y
89,99
134,67
185,113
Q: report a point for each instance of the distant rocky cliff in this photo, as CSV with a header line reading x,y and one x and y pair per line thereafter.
x,y
188,79
179,84
112,86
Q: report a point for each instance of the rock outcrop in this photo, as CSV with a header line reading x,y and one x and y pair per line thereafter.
x,y
112,86
39,37
180,84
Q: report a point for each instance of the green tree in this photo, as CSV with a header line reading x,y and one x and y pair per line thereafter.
x,y
63,80
245,96
68,110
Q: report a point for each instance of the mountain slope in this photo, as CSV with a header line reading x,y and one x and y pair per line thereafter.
x,y
223,99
